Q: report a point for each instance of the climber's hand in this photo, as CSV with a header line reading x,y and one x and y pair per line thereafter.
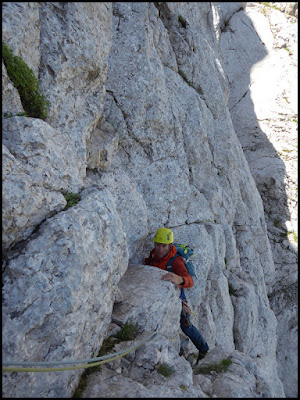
x,y
171,277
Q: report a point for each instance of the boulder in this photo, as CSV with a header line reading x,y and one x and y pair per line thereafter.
x,y
63,286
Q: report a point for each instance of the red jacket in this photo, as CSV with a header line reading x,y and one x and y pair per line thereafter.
x,y
178,266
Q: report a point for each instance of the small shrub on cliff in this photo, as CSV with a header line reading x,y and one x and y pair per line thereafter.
x,y
22,77
128,332
71,199
222,367
165,369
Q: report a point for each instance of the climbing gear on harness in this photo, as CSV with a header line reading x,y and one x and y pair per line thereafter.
x,y
164,235
185,252
186,309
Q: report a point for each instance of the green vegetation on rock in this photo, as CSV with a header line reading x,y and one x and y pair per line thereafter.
x,y
221,367
22,77
165,369
71,199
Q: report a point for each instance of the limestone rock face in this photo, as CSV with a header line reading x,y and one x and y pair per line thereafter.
x,y
83,256
148,123
264,115
11,102
22,31
147,280
75,42
25,204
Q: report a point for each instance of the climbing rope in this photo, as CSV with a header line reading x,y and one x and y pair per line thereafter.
x,y
99,361
93,362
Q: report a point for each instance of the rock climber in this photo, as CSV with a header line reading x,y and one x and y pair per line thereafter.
x,y
163,251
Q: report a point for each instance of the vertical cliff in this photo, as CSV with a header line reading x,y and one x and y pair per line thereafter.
x,y
262,66
140,126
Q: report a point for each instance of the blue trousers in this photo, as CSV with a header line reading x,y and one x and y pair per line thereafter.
x,y
192,332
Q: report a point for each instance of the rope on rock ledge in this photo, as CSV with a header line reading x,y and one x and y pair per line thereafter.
x,y
92,363
99,361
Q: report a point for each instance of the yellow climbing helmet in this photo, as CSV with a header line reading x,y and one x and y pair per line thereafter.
x,y
164,235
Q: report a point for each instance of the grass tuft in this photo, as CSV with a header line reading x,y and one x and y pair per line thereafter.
x,y
165,369
128,332
207,369
23,79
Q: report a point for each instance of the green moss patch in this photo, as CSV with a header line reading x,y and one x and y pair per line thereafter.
x,y
22,77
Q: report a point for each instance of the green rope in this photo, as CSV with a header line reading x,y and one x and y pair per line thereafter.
x,y
104,359
99,360
173,338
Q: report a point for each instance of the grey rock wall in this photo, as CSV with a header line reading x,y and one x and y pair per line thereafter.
x,y
263,106
140,126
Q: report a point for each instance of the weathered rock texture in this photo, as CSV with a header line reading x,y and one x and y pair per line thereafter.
x,y
264,110
151,121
